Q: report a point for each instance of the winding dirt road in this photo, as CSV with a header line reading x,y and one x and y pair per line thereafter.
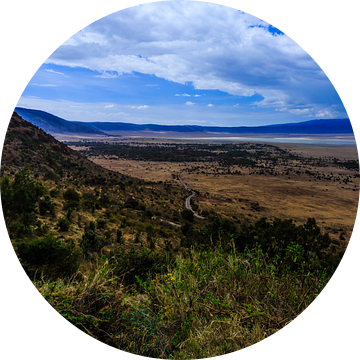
x,y
187,201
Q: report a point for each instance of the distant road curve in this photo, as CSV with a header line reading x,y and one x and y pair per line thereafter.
x,y
187,201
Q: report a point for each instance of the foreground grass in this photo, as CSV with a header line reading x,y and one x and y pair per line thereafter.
x,y
202,304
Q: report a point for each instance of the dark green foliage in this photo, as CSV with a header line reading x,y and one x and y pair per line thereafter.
x,y
101,223
187,228
46,206
20,202
71,195
54,193
63,224
141,263
148,214
119,236
92,226
90,242
90,201
104,200
137,238
51,175
187,215
282,240
49,256
41,229
131,203
150,241
72,198
69,214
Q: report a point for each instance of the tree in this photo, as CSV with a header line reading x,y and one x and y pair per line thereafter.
x,y
312,239
63,224
49,256
20,199
187,215
119,236
46,205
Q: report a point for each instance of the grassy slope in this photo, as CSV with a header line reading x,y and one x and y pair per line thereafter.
x,y
146,294
202,305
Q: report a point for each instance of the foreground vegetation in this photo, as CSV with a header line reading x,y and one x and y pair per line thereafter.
x,y
104,251
222,288
203,304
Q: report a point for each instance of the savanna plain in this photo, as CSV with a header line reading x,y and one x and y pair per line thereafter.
x,y
275,181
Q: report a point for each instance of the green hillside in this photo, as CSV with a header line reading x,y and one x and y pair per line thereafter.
x,y
120,259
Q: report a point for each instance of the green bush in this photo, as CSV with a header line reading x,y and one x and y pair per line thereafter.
x,y
20,202
51,175
90,201
119,236
71,195
131,203
187,215
54,193
63,224
283,240
46,205
49,256
72,198
148,214
140,264
101,224
90,242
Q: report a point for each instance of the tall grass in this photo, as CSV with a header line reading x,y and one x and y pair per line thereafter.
x,y
205,303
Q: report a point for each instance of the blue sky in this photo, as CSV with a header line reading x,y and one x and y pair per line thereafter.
x,y
182,63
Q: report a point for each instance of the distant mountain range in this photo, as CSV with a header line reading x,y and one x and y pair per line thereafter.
x,y
56,125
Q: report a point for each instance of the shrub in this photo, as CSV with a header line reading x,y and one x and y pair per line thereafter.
x,y
49,256
54,193
51,175
92,243
104,200
90,201
63,224
71,195
148,214
131,203
19,199
142,264
101,223
46,205
187,215
119,236
72,198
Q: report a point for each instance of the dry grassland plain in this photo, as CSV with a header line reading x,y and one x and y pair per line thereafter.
x,y
251,195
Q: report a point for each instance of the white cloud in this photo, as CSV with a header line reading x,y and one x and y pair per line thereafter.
x,y
43,85
108,106
210,46
55,72
189,103
325,113
300,111
210,105
197,95
107,75
140,107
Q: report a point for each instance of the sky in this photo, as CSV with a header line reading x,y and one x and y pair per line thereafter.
x,y
182,62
